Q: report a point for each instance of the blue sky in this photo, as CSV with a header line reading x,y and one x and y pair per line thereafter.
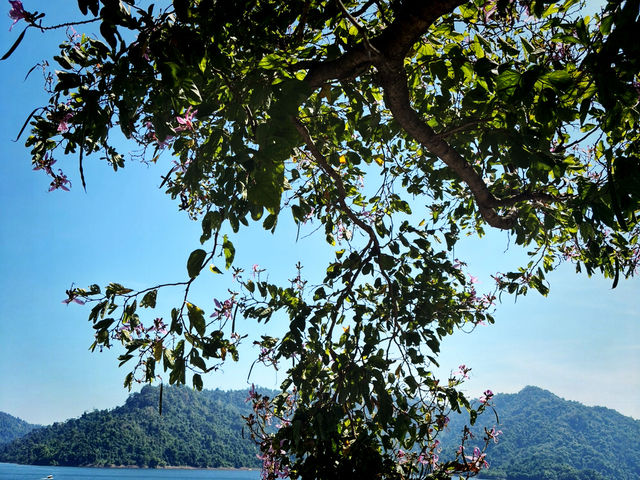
x,y
581,342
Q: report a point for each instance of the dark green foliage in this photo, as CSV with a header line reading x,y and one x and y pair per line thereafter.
x,y
547,438
12,428
392,128
199,429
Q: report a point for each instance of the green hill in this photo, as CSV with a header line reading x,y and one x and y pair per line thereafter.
x,y
544,437
548,438
200,429
12,428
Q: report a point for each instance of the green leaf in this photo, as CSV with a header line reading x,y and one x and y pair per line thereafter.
x,y
386,262
229,252
507,81
103,324
128,379
270,222
271,62
560,79
196,318
268,183
197,360
473,415
149,299
196,262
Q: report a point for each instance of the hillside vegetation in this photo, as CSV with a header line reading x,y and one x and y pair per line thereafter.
x,y
12,428
548,438
199,429
544,437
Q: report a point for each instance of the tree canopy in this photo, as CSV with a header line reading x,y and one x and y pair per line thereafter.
x,y
396,128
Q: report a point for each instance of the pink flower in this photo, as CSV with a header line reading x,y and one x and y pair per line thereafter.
x,y
17,12
159,326
477,460
67,301
463,371
252,394
493,434
63,126
486,396
45,164
402,456
186,122
442,421
490,9
223,309
60,181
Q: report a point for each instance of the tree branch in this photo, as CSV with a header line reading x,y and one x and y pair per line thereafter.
x,y
396,94
342,193
413,19
386,52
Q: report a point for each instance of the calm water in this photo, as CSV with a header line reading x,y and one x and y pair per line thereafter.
x,y
10,471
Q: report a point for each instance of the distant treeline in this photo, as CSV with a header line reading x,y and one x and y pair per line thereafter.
x,y
547,438
199,429
12,428
544,437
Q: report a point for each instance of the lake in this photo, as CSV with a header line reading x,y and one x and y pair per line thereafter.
x,y
10,471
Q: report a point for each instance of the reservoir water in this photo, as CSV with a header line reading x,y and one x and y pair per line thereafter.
x,y
10,471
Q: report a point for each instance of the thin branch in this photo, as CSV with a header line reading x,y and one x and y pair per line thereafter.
x,y
460,128
373,244
360,28
562,148
68,24
342,194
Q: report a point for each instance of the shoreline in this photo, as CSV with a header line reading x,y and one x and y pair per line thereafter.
x,y
138,467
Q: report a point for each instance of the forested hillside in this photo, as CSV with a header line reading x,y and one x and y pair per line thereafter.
x,y
12,428
545,437
201,429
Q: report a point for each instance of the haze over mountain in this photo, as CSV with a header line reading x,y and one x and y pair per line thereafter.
x,y
12,428
544,437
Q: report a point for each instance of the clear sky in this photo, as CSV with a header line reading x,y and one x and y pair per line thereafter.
x,y
581,342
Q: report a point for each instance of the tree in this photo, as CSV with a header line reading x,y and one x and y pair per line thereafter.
x,y
397,126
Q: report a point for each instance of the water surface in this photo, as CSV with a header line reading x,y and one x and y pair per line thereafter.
x,y
10,471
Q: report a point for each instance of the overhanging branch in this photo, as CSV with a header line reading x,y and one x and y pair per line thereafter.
x,y
386,52
394,83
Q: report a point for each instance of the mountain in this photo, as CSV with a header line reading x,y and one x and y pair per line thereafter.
x,y
544,437
200,429
548,438
12,428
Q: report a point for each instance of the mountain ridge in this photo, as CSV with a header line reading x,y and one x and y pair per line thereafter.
x,y
12,428
544,437
547,437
